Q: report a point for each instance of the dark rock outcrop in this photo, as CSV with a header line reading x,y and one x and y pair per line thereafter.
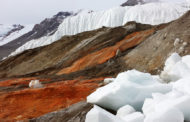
x,y
132,2
75,113
49,25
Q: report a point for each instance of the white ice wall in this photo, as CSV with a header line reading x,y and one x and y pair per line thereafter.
x,y
151,13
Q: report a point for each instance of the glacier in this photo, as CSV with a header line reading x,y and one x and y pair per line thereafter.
x,y
150,13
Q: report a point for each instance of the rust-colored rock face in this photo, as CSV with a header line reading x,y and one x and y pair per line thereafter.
x,y
103,55
30,103
16,81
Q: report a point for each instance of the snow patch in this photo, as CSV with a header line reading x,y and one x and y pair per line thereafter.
x,y
134,117
165,102
169,115
14,35
35,84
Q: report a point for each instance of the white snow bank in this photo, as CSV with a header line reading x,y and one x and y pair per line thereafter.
x,y
182,85
14,35
98,114
176,68
152,13
4,29
134,117
162,102
169,115
131,87
35,84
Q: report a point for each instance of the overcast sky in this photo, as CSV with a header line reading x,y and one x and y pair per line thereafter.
x,y
33,11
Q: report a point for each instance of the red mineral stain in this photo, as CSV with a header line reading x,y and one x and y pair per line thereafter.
x,y
103,55
31,103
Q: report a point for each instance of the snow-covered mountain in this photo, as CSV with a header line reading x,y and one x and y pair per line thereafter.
x,y
138,2
150,13
10,32
14,36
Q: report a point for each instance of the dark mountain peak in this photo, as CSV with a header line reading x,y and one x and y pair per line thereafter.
x,y
50,24
62,14
132,2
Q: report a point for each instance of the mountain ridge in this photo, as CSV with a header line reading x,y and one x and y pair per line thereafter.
x,y
46,27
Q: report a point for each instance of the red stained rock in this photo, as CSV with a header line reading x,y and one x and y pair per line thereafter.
x,y
19,81
30,103
103,55
16,81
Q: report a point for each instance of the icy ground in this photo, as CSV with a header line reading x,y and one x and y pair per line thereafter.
x,y
142,97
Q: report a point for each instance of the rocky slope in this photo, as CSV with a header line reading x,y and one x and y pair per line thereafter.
x,y
75,113
74,66
46,27
70,53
